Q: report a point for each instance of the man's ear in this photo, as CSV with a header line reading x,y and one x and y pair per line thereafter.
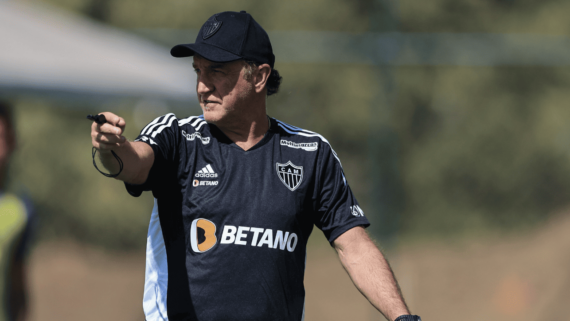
x,y
261,76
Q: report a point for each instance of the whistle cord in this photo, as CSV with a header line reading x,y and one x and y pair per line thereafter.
x,y
94,151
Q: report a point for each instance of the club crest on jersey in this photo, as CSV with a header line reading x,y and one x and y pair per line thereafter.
x,y
290,174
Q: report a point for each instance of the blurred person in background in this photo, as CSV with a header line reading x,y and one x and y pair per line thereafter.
x,y
15,229
237,193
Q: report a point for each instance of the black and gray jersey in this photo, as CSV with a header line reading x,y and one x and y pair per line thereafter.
x,y
228,233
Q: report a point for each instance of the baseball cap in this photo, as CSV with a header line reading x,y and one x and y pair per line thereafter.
x,y
229,36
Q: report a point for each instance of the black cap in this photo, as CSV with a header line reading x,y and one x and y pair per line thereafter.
x,y
229,36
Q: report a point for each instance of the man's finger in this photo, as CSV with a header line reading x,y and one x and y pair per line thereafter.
x,y
121,123
109,139
112,118
108,129
103,146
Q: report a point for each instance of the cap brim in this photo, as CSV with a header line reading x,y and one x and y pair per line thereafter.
x,y
209,52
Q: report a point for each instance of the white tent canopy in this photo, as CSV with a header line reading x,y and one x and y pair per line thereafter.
x,y
43,50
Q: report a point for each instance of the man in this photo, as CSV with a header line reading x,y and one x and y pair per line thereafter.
x,y
237,193
15,229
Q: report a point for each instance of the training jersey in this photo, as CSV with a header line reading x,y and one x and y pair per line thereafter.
x,y
228,233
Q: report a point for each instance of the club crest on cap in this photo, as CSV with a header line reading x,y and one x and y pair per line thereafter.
x,y
211,27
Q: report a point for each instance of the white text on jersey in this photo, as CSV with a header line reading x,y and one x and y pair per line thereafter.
x,y
207,171
205,140
356,211
310,147
239,235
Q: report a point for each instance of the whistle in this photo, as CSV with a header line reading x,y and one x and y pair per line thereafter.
x,y
99,119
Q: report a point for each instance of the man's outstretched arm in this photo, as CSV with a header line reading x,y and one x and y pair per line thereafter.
x,y
137,157
370,272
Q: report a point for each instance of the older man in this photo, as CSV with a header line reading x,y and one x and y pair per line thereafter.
x,y
237,193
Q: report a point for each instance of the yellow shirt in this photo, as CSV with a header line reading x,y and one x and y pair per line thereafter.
x,y
13,219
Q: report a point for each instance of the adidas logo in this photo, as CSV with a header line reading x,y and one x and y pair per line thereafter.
x,y
207,171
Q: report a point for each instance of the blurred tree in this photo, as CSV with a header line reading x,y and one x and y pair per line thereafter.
x,y
70,196
387,194
477,147
492,16
98,10
483,162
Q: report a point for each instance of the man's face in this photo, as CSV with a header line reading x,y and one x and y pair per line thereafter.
x,y
222,89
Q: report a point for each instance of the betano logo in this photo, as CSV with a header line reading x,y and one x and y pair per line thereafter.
x,y
237,235
203,237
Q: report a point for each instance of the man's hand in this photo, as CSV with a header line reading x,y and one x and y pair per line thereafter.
x,y
108,136
370,272
137,157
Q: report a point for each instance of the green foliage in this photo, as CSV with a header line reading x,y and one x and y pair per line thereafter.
x,y
477,147
485,16
340,15
474,16
485,151
72,199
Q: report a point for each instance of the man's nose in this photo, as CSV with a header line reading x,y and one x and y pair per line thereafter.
x,y
203,86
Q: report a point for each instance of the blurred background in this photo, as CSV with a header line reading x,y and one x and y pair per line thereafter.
x,y
450,118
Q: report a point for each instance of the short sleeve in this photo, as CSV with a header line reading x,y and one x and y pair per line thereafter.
x,y
337,210
162,136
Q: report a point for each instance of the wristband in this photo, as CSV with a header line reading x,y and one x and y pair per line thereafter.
x,y
408,317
